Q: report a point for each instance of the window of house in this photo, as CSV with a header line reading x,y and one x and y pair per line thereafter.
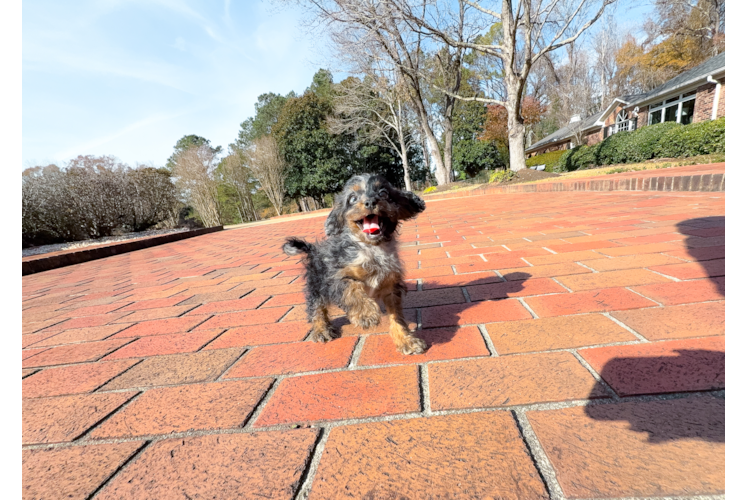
x,y
655,116
677,109
624,122
686,113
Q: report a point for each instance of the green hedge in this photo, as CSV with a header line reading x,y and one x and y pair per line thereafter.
x,y
550,160
577,158
643,143
701,138
663,140
611,150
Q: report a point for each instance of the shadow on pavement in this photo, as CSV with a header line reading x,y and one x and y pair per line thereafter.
x,y
697,229
691,418
699,417
451,314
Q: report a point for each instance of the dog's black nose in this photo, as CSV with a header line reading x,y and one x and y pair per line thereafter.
x,y
370,203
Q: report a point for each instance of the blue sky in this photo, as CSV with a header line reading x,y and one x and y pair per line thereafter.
x,y
130,77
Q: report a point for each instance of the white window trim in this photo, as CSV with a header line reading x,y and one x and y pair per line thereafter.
x,y
715,104
662,107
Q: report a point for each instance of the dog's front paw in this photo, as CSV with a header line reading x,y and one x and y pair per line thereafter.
x,y
411,344
323,335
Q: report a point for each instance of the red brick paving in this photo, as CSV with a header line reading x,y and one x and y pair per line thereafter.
x,y
444,343
563,332
343,395
662,323
509,381
641,449
293,357
260,465
72,472
73,379
536,303
661,367
419,457
66,418
219,405
164,344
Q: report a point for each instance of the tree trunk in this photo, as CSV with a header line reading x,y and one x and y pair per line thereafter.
x,y
442,176
448,134
406,167
441,171
516,128
426,158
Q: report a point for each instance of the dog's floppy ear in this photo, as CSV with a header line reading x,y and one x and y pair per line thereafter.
x,y
409,205
335,222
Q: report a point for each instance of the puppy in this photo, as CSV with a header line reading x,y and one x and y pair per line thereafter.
x,y
358,262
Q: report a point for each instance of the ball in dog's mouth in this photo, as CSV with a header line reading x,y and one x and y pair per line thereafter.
x,y
370,226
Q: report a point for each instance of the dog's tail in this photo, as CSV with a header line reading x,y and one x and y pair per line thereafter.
x,y
295,246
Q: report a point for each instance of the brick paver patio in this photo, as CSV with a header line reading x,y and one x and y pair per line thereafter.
x,y
576,351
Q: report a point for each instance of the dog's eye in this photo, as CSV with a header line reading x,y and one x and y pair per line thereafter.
x,y
384,194
352,199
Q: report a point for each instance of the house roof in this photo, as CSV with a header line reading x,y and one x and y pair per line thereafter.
x,y
713,66
564,132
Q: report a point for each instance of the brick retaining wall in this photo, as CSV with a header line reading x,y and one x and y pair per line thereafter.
x,y
697,182
45,262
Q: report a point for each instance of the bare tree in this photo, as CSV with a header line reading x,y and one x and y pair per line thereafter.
x,y
375,108
270,169
194,173
530,29
376,31
236,172
573,95
701,21
606,44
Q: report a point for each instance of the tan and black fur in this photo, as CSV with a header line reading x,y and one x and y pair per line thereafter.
x,y
353,270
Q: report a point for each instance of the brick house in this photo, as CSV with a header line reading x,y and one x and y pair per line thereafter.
x,y
693,96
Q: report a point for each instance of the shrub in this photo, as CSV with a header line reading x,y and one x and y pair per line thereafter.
x,y
550,160
502,176
613,149
578,158
429,190
662,140
93,198
692,140
471,157
641,144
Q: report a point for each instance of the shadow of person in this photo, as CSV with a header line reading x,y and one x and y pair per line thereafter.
x,y
705,245
669,420
691,370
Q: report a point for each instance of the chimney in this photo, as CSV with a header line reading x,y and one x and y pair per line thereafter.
x,y
574,119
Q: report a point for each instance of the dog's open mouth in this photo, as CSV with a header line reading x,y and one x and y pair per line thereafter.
x,y
370,225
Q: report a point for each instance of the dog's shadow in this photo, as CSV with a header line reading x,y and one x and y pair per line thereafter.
x,y
441,310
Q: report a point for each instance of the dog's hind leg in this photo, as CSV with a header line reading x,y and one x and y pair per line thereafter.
x,y
322,330
405,341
